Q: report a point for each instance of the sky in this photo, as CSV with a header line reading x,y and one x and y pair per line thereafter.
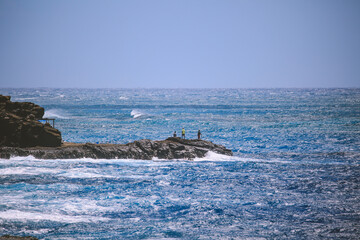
x,y
180,43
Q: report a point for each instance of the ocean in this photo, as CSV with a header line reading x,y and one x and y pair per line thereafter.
x,y
295,173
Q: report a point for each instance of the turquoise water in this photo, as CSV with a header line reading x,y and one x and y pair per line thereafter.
x,y
295,173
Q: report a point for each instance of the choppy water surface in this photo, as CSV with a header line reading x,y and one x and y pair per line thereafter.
x,y
295,173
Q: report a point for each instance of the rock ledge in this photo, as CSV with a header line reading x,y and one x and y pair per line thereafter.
x,y
21,134
171,148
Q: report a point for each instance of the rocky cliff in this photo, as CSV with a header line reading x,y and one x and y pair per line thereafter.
x,y
171,148
19,125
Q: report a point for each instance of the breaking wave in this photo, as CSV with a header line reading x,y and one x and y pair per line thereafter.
x,y
55,217
137,113
56,113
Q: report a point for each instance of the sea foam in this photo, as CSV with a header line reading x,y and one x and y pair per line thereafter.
x,y
56,217
56,113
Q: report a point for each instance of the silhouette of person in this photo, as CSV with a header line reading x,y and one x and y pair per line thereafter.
x,y
199,135
174,133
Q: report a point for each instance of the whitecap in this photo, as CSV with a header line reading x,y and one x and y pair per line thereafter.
x,y
212,156
123,98
216,157
19,158
39,231
56,113
27,171
80,173
76,206
136,113
55,217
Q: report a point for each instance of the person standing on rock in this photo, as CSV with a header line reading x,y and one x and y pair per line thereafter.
x,y
183,133
174,133
199,135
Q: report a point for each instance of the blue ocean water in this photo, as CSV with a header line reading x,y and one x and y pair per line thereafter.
x,y
295,173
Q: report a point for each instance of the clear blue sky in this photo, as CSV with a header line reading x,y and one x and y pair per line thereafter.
x,y
180,44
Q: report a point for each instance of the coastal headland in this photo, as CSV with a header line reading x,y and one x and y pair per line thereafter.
x,y
22,134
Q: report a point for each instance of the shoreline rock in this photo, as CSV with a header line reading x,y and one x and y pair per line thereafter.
x,y
145,149
21,134
10,237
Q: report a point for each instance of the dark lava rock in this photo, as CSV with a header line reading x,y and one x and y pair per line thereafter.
x,y
19,125
9,237
171,148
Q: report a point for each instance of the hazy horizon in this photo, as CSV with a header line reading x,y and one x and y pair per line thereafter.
x,y
190,88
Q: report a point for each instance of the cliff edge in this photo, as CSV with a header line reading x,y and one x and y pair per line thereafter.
x,y
20,126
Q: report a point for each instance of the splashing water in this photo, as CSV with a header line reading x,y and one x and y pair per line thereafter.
x,y
137,113
295,173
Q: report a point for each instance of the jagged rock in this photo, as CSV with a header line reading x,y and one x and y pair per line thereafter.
x,y
171,148
9,237
19,125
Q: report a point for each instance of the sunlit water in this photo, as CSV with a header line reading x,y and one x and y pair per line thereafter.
x,y
295,173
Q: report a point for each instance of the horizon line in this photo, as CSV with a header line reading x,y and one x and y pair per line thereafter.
x,y
178,88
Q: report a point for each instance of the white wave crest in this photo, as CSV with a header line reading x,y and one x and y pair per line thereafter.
x,y
18,158
216,157
123,98
55,217
81,173
56,113
27,171
136,113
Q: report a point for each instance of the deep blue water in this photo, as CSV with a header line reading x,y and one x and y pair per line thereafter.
x,y
295,173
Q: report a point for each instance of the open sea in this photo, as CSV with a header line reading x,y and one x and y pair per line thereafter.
x,y
295,173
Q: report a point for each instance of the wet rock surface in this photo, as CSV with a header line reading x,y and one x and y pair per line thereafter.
x,y
9,237
171,148
19,125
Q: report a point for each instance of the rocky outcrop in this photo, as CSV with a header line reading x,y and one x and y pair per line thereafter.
x,y
9,237
21,134
171,148
19,125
